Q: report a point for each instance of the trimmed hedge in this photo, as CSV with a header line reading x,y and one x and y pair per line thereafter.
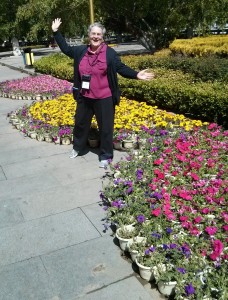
x,y
201,46
205,69
57,65
194,99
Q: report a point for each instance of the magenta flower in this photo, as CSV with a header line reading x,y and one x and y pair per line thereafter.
x,y
218,248
156,212
225,227
211,230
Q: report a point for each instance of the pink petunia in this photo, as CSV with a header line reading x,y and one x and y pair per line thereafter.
x,y
225,227
212,126
183,218
158,161
194,231
211,230
205,210
198,219
204,252
156,212
159,174
194,176
218,247
185,195
186,224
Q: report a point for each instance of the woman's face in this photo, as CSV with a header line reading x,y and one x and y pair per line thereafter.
x,y
95,37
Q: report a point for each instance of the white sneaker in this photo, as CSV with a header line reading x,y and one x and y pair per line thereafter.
x,y
103,164
74,154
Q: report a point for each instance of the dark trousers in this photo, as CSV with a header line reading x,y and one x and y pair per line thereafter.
x,y
104,111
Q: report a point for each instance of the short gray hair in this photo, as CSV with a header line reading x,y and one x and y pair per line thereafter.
x,y
97,24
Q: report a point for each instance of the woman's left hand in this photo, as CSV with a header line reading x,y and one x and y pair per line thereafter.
x,y
145,75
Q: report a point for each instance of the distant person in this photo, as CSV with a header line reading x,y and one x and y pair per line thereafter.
x,y
95,87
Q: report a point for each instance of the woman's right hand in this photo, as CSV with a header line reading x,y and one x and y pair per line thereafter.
x,y
55,24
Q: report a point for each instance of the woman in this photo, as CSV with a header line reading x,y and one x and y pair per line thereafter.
x,y
95,87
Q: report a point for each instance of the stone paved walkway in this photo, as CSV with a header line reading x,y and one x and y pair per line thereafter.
x,y
52,243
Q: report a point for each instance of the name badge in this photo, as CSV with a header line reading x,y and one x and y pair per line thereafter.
x,y
86,82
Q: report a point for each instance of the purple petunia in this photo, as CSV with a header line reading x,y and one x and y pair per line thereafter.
x,y
169,230
181,270
147,252
129,190
165,247
152,249
154,149
163,132
141,218
157,195
139,174
189,289
156,235
173,246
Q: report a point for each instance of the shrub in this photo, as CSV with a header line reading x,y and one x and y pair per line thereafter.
x,y
173,90
201,46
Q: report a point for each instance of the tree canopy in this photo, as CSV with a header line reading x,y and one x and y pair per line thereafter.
x,y
154,22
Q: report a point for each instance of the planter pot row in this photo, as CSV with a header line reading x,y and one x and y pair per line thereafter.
x,y
25,97
147,273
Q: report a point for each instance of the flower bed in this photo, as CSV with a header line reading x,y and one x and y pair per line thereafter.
x,y
50,116
35,87
175,192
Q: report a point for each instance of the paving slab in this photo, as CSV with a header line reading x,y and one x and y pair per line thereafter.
x,y
129,288
2,174
54,200
14,140
96,214
27,280
10,213
9,74
41,164
40,236
34,151
81,269
18,187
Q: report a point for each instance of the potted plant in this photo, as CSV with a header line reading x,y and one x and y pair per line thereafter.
x,y
138,243
117,140
125,235
65,133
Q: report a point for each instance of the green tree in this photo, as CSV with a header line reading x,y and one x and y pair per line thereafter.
x,y
8,10
35,16
157,22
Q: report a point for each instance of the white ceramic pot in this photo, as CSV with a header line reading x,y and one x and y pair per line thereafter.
x,y
157,270
33,135
134,254
40,137
66,141
167,288
48,138
117,145
145,272
56,140
124,243
128,144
